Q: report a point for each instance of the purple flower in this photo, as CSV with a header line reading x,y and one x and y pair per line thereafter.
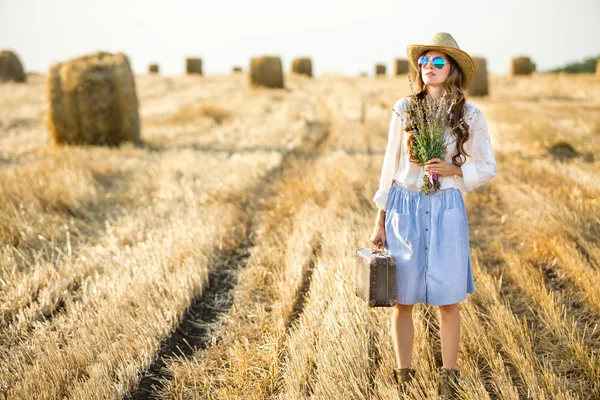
x,y
431,176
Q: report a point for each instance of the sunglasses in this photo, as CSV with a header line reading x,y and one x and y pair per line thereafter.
x,y
438,62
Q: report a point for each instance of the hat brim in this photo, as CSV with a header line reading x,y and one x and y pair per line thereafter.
x,y
462,58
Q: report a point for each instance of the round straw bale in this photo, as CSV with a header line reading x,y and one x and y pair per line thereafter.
x,y
11,68
92,100
193,66
480,86
562,151
237,69
379,69
400,67
153,68
266,71
521,65
302,66
363,73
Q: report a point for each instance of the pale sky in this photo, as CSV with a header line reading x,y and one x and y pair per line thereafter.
x,y
339,36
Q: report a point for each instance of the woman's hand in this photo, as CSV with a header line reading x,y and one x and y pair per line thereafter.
x,y
378,236
441,167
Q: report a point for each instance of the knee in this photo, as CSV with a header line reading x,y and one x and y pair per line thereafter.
x,y
402,308
449,309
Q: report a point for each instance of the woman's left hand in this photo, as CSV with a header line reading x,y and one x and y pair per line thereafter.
x,y
440,167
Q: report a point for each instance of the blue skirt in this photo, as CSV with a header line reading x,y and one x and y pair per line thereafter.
x,y
429,237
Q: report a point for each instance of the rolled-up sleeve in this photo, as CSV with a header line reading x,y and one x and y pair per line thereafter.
x,y
392,154
481,165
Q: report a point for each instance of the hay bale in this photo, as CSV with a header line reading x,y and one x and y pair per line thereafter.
x,y
193,66
480,85
92,100
11,68
379,69
237,69
521,66
563,151
400,67
302,66
363,73
266,71
153,69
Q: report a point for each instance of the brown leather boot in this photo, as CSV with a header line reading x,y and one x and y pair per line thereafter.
x,y
402,376
449,381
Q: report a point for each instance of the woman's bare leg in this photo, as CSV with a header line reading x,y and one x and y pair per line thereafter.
x,y
403,334
450,333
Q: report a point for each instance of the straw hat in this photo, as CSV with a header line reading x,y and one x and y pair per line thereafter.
x,y
445,43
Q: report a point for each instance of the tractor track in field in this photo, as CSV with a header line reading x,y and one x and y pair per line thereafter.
x,y
193,332
300,297
302,291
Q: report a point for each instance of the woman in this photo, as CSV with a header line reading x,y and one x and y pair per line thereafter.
x,y
429,234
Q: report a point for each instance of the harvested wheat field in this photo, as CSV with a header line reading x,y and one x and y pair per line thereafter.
x,y
215,260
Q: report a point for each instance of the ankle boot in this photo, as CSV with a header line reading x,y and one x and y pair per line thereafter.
x,y
449,381
402,376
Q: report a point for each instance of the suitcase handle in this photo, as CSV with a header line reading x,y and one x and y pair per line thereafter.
x,y
378,250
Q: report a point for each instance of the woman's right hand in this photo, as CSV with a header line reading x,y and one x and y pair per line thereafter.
x,y
378,236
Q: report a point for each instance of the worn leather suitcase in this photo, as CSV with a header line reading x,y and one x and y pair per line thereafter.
x,y
376,277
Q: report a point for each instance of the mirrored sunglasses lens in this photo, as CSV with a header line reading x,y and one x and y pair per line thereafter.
x,y
439,62
423,60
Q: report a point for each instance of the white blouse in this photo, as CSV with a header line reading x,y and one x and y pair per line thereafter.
x,y
479,168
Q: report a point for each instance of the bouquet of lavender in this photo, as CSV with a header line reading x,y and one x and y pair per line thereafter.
x,y
429,119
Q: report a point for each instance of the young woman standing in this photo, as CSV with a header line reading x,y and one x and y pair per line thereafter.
x,y
429,234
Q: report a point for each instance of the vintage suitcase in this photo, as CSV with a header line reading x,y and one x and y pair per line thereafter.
x,y
376,277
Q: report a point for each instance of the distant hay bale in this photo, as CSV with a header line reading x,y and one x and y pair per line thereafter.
x,y
400,67
193,66
598,67
379,69
563,151
480,85
153,68
302,66
521,66
11,68
266,71
363,73
237,69
92,100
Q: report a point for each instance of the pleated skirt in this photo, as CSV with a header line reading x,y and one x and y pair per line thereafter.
x,y
429,237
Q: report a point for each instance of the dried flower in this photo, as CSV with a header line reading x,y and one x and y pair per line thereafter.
x,y
431,177
429,118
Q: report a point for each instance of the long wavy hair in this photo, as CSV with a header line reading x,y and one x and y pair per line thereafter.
x,y
453,90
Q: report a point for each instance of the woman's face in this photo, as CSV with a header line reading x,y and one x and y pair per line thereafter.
x,y
433,76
